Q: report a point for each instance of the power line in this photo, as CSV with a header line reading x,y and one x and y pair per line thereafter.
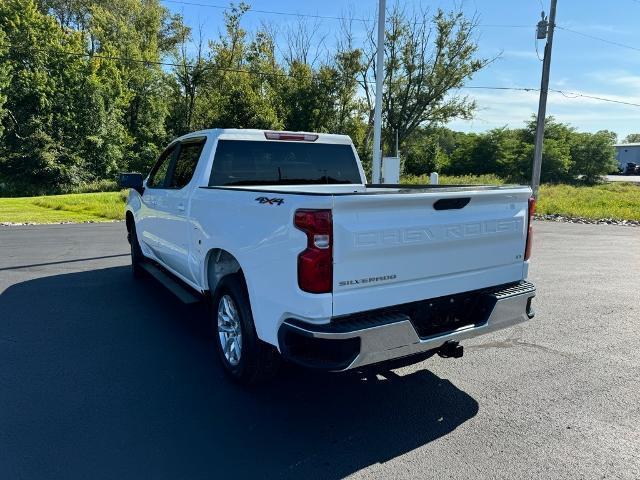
x,y
554,90
593,97
520,89
593,37
567,94
157,62
321,17
269,12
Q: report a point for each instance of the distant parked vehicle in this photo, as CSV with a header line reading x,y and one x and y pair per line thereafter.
x,y
632,169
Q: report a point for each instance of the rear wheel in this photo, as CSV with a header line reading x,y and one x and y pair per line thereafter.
x,y
244,357
229,330
137,257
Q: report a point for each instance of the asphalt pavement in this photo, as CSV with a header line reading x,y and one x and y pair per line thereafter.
x,y
102,376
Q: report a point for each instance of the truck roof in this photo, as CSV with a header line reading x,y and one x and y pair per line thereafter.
x,y
258,134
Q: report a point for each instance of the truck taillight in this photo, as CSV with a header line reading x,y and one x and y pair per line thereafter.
x,y
315,263
532,211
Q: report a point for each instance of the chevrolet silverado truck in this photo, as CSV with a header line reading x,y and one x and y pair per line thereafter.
x,y
301,259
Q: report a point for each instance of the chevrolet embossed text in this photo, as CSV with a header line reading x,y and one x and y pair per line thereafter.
x,y
440,233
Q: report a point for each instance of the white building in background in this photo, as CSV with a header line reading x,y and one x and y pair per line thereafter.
x,y
627,153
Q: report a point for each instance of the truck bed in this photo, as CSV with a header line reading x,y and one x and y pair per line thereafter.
x,y
394,244
369,189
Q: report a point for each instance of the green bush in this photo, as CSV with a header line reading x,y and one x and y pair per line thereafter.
x,y
593,155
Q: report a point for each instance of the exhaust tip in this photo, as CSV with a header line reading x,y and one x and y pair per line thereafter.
x,y
451,350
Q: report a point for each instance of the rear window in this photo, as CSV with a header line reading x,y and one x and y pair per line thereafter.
x,y
242,162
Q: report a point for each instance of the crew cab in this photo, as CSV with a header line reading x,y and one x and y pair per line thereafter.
x,y
301,259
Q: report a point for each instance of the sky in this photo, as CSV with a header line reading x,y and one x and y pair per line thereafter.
x,y
579,64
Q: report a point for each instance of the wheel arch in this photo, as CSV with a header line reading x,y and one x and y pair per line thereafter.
x,y
218,264
129,220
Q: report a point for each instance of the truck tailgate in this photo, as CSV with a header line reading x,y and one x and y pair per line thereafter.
x,y
394,248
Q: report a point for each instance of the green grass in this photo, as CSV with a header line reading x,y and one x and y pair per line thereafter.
x,y
94,187
455,180
619,201
84,207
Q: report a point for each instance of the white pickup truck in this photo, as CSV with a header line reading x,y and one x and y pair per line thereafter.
x,y
301,259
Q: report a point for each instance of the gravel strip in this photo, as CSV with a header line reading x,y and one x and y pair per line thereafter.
x,y
549,218
601,221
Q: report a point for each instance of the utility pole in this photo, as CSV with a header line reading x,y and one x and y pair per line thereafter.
x,y
545,29
377,113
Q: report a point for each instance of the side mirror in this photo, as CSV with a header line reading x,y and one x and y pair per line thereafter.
x,y
131,180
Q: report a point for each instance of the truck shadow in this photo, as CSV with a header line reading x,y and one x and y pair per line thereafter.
x,y
104,377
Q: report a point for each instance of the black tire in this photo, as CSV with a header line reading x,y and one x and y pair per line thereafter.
x,y
258,361
137,257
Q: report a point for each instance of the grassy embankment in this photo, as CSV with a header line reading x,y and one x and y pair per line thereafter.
x,y
618,201
79,207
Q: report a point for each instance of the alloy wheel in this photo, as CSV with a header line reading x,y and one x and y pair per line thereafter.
x,y
229,330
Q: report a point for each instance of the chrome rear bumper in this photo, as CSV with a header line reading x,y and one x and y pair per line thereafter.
x,y
392,335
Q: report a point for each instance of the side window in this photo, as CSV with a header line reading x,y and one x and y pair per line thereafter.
x,y
159,171
186,162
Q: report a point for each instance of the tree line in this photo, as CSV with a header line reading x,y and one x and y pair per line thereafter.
x,y
568,156
92,87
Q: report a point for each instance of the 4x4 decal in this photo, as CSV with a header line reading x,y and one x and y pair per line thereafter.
x,y
270,201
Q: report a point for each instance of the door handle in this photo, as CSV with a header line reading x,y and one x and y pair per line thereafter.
x,y
181,207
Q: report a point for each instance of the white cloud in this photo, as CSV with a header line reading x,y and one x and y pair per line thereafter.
x,y
618,78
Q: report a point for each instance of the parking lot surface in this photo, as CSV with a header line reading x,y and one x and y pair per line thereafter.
x,y
102,376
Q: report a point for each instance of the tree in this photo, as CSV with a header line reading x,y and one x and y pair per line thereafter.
x,y
84,93
189,77
43,129
303,43
139,33
425,61
593,155
632,138
5,75
556,152
424,154
240,79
